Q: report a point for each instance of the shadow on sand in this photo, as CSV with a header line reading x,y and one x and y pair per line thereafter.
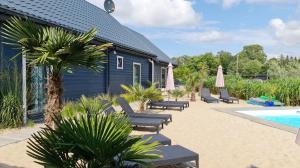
x,y
3,165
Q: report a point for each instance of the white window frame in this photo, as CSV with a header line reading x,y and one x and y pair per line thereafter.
x,y
161,76
118,62
136,63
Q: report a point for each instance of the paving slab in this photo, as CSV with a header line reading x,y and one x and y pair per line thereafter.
x,y
17,136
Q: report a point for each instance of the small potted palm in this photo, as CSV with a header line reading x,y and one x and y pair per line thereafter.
x,y
141,94
192,83
177,93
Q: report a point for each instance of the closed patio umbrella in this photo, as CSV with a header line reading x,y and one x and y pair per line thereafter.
x,y
170,80
220,78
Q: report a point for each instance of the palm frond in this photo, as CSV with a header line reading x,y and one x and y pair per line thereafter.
x,y
54,46
99,141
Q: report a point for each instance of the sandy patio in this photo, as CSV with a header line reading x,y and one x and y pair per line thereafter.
x,y
222,140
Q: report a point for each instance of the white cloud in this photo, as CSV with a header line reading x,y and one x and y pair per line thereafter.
x,y
163,13
202,37
230,3
241,37
286,32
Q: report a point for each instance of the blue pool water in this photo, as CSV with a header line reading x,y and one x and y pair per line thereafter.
x,y
288,117
293,121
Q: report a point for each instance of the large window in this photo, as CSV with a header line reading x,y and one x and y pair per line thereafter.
x,y
163,77
136,73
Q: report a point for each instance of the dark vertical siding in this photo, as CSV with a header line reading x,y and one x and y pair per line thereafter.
x,y
125,75
84,82
157,73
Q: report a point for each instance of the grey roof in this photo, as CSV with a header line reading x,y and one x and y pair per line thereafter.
x,y
80,15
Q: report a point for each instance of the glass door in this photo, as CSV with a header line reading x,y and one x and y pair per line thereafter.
x,y
36,90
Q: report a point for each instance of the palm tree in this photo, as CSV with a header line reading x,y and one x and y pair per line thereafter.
x,y
99,141
60,51
193,82
139,93
203,74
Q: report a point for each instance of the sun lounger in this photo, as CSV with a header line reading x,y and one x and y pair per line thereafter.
x,y
206,96
175,154
129,111
108,107
157,123
185,103
224,96
147,122
163,140
166,104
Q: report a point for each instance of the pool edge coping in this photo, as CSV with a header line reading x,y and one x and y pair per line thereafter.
x,y
232,111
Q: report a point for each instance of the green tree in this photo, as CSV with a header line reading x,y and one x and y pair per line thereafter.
x,y
250,68
253,52
203,74
274,70
225,59
56,49
211,62
181,73
193,83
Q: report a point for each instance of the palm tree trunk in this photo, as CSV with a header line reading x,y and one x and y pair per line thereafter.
x,y
200,86
54,98
193,94
142,106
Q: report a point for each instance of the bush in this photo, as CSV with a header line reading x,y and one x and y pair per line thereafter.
x,y
85,106
11,112
112,99
285,90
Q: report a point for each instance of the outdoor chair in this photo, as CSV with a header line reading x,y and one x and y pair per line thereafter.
x,y
224,96
130,112
167,104
157,123
206,96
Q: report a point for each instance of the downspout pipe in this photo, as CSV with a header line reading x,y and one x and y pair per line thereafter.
x,y
24,89
108,72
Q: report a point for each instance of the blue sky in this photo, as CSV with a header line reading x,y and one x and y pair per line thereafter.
x,y
191,27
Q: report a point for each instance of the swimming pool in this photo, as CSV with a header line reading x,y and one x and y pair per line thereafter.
x,y
289,117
